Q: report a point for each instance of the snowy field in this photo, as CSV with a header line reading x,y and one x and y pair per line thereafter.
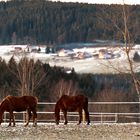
x,y
71,132
87,65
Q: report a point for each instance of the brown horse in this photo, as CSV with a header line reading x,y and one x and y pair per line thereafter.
x,y
72,103
18,104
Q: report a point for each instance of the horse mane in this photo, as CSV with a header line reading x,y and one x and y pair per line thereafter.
x,y
2,102
2,105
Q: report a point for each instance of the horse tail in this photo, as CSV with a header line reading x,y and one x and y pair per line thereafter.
x,y
86,110
36,99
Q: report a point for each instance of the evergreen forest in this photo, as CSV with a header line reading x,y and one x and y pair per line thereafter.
x,y
46,22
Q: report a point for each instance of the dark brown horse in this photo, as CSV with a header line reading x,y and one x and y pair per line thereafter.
x,y
72,103
18,104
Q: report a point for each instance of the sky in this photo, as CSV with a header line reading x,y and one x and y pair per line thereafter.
x,y
103,1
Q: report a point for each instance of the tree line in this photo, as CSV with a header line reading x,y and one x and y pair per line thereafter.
x,y
29,77
45,22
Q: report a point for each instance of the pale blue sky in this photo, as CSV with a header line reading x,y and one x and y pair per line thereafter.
x,y
103,1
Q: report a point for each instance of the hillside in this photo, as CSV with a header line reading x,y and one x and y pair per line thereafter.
x,y
45,22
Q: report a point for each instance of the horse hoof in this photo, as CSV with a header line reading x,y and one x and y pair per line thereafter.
x,y
78,123
34,125
57,123
65,123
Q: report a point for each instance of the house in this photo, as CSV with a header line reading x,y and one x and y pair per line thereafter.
x,y
102,53
18,48
63,53
108,55
105,54
82,55
79,55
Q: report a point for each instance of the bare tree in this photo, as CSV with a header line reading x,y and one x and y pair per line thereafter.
x,y
121,24
128,47
65,87
29,74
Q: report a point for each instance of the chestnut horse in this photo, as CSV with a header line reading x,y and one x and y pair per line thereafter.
x,y
72,103
18,104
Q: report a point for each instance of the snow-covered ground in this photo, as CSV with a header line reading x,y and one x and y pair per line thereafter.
x,y
87,65
71,132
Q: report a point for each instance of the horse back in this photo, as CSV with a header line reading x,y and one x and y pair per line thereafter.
x,y
73,103
82,100
21,103
32,100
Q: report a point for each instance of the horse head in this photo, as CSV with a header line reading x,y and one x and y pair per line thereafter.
x,y
57,113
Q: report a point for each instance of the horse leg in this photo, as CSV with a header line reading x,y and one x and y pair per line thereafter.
x,y
65,116
87,116
80,116
11,118
29,116
34,117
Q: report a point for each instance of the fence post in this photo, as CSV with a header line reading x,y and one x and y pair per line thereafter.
x,y
101,118
116,117
4,117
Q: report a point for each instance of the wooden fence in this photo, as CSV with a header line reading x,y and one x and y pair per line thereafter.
x,y
46,113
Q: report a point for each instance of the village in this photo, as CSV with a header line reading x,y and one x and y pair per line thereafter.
x,y
76,53
83,59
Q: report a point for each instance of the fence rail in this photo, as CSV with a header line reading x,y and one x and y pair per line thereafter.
x,y
101,117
